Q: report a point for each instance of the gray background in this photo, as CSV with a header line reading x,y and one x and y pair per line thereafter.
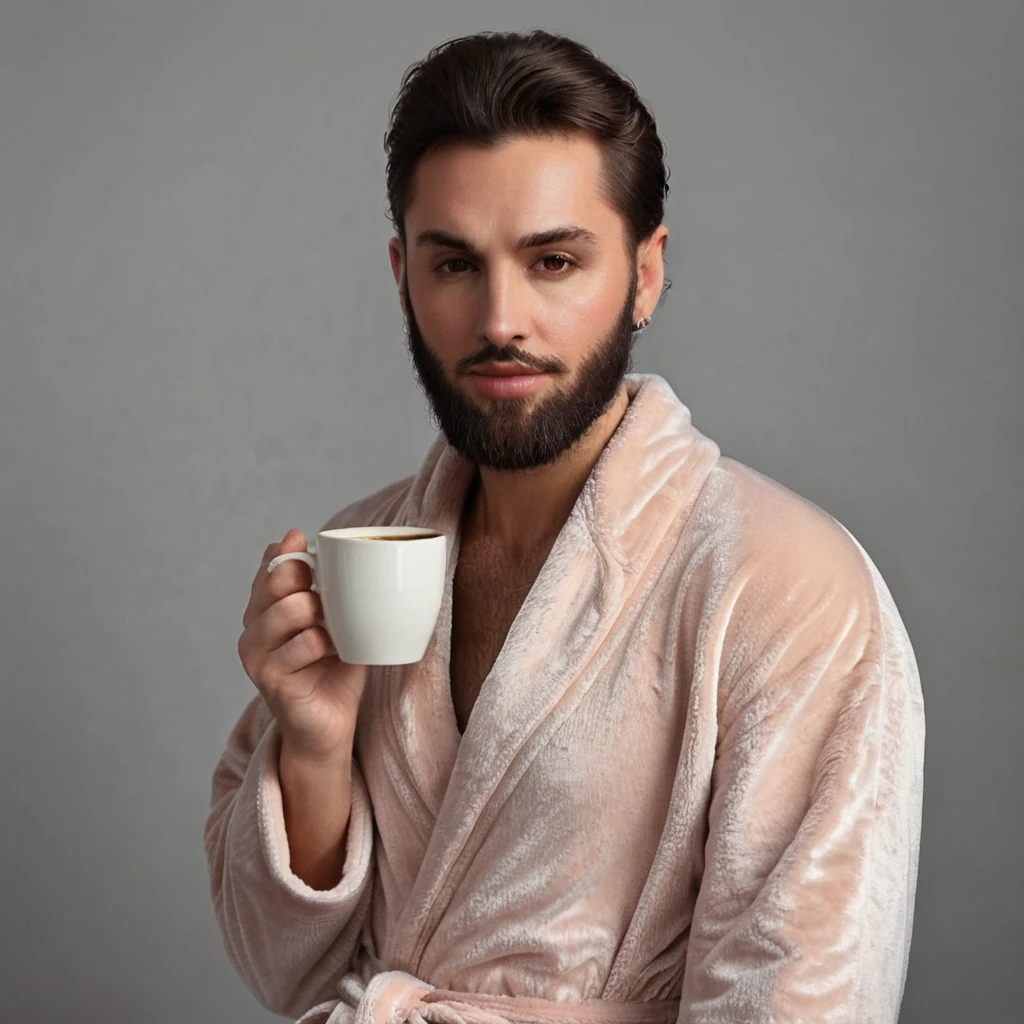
x,y
202,346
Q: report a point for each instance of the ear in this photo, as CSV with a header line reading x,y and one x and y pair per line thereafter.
x,y
396,254
650,272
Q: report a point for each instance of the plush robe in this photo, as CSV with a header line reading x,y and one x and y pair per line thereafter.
x,y
689,791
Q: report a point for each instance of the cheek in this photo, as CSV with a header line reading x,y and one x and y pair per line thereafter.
x,y
446,327
442,318
582,310
444,311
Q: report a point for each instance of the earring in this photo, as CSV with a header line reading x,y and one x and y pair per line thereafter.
x,y
641,324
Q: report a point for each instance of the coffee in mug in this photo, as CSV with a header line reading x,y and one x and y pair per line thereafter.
x,y
398,536
380,600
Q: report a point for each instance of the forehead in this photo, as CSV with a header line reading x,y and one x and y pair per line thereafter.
x,y
497,193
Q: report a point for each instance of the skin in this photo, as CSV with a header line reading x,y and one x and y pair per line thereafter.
x,y
551,305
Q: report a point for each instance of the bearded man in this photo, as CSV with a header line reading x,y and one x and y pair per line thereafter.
x,y
662,762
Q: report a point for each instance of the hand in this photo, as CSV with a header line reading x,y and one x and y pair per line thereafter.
x,y
288,655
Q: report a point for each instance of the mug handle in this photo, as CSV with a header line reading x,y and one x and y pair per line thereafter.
x,y
308,556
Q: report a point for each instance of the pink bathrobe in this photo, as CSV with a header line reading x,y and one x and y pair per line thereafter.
x,y
689,791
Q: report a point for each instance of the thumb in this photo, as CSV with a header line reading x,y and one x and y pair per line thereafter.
x,y
293,540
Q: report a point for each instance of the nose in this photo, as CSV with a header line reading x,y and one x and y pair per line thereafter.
x,y
506,313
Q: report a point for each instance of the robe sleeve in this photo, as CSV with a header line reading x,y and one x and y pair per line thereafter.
x,y
805,906
290,943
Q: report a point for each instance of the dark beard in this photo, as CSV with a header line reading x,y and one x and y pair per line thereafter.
x,y
510,435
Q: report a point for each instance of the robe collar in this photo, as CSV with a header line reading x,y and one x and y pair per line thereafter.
x,y
651,470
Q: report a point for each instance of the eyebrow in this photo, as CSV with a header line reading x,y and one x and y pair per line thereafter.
x,y
565,233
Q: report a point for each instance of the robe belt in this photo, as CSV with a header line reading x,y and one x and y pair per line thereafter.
x,y
394,997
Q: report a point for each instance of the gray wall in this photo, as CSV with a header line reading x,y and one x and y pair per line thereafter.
x,y
201,346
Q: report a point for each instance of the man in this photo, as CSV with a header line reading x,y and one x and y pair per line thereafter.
x,y
662,761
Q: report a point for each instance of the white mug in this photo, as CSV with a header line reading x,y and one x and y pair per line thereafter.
x,y
381,597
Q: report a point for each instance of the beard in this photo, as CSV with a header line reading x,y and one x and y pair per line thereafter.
x,y
523,433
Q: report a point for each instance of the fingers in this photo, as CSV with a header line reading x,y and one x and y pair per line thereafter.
x,y
294,623
269,671
293,540
283,619
301,651
287,578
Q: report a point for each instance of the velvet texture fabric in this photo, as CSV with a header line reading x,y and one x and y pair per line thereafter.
x,y
689,791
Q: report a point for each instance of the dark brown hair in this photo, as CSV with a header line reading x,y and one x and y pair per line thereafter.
x,y
492,87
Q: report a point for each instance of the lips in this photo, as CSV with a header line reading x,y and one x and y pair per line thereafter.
x,y
505,370
500,381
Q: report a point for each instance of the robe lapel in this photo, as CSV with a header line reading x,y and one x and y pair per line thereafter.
x,y
649,473
412,704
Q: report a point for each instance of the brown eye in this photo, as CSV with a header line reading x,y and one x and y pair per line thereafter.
x,y
557,271
448,268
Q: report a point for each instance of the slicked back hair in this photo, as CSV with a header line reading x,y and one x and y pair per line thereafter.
x,y
493,87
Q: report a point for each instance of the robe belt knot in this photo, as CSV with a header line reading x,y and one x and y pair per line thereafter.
x,y
395,997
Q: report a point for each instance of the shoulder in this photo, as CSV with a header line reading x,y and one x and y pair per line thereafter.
x,y
759,524
377,509
781,569
796,614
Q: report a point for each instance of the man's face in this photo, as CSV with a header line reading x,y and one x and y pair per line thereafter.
x,y
473,294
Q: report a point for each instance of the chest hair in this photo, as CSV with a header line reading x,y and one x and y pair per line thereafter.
x,y
487,593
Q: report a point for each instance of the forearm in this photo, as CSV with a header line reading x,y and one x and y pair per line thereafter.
x,y
317,801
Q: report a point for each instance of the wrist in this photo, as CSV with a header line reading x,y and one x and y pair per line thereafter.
x,y
303,759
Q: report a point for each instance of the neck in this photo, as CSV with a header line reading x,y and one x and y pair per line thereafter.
x,y
523,510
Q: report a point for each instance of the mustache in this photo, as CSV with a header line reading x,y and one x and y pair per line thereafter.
x,y
491,353
508,354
